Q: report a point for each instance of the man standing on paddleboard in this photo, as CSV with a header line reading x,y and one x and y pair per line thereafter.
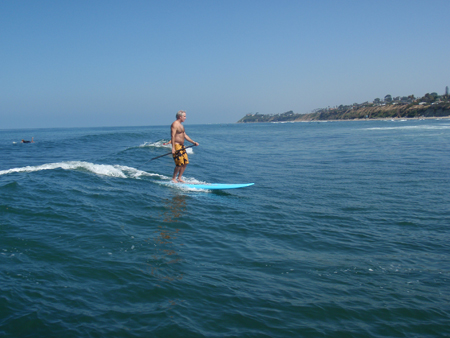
x,y
178,135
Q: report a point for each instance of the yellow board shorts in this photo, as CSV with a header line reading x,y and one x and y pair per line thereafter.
x,y
180,157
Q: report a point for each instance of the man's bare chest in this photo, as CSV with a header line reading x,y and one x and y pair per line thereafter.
x,y
179,129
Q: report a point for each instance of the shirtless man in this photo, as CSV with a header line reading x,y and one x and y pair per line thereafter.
x,y
178,135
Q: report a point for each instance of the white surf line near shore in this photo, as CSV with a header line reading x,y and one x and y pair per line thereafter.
x,y
99,169
427,127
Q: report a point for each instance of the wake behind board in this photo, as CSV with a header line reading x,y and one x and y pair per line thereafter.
x,y
215,186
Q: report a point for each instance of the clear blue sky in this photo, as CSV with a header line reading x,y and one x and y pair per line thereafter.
x,y
135,63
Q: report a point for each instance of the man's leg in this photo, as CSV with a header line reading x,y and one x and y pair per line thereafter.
x,y
176,171
182,169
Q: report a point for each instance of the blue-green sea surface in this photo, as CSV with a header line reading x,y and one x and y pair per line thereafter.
x,y
344,234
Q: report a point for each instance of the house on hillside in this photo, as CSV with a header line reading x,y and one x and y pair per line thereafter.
x,y
405,99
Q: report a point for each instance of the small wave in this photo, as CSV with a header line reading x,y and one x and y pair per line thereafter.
x,y
183,187
157,144
12,185
162,144
99,169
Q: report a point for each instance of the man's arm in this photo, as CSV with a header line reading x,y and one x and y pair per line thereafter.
x,y
173,132
189,139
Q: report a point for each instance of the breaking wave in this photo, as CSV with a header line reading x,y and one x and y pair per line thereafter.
x,y
99,169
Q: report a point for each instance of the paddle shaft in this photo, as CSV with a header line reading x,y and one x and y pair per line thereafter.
x,y
154,158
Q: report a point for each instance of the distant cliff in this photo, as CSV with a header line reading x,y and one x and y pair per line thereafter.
x,y
362,111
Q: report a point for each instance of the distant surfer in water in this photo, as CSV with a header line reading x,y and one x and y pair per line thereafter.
x,y
178,135
32,141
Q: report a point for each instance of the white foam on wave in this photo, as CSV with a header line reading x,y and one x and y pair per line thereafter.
x,y
157,144
181,186
99,169
160,144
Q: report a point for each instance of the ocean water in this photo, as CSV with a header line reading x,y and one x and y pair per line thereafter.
x,y
344,234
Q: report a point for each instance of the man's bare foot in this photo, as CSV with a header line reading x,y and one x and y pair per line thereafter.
x,y
181,181
174,180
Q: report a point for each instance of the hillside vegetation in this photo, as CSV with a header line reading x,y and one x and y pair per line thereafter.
x,y
431,105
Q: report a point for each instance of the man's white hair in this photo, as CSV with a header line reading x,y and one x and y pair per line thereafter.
x,y
180,113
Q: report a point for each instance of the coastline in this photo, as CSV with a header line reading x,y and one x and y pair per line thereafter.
x,y
401,119
388,119
428,107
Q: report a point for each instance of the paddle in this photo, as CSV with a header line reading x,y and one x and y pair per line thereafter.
x,y
154,158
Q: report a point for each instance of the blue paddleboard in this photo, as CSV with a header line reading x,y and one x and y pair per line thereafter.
x,y
216,186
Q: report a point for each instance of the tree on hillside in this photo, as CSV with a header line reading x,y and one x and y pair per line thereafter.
x,y
430,98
